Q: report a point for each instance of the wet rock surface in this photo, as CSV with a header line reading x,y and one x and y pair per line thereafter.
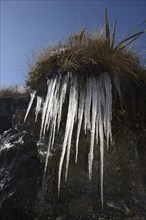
x,y
19,172
10,107
22,162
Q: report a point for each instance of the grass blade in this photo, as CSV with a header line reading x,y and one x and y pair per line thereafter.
x,y
129,42
113,34
107,29
131,37
136,28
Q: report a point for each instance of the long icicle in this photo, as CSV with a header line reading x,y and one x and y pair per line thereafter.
x,y
38,107
67,131
65,81
87,123
30,104
104,120
49,106
101,138
73,120
50,83
80,118
107,107
46,161
53,116
53,111
94,98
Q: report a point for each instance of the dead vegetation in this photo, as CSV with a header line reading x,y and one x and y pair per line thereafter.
x,y
85,53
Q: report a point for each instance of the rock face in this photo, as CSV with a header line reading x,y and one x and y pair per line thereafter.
x,y
10,107
22,163
19,162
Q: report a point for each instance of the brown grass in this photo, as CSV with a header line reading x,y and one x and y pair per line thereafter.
x,y
85,53
11,91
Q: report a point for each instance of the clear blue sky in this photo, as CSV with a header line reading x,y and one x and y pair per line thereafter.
x,y
27,25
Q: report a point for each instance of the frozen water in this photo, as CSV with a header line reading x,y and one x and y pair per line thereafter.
x,y
80,118
94,99
101,139
6,146
38,106
89,104
45,106
65,80
73,112
49,106
72,108
30,104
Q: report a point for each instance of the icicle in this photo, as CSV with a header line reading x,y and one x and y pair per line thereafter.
x,y
52,111
80,117
46,162
72,106
74,97
108,108
49,106
98,110
103,119
53,106
50,83
38,107
101,138
87,124
30,104
93,123
62,97
93,108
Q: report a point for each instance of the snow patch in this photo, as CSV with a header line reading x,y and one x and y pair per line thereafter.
x,y
6,146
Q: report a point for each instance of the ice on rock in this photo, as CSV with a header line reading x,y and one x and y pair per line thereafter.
x,y
89,105
6,146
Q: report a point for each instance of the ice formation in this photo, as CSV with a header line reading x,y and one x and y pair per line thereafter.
x,y
89,106
30,104
38,107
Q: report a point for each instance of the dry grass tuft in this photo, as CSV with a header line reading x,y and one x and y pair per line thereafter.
x,y
11,91
85,53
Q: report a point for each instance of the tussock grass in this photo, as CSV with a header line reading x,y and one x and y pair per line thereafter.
x,y
85,53
11,91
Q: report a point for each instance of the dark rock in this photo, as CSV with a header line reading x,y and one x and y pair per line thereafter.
x,y
19,174
22,163
10,108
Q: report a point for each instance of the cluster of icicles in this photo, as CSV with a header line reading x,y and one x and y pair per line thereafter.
x,y
89,106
